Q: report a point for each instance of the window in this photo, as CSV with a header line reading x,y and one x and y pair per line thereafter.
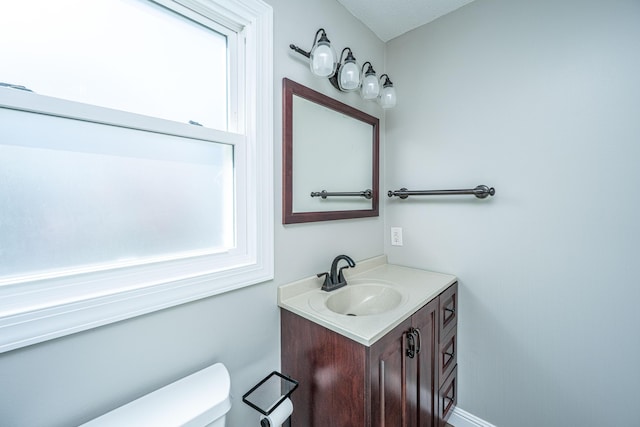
x,y
126,185
130,55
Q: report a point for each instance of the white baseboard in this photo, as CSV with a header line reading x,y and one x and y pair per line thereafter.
x,y
461,418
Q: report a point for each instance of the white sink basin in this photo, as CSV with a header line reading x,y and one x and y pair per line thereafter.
x,y
363,299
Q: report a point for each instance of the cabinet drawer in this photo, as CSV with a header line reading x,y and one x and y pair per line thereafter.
x,y
447,355
448,397
448,310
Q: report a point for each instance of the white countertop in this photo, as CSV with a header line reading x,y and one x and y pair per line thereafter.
x,y
418,287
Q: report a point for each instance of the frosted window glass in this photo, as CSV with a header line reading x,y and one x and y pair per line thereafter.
x,y
74,194
130,55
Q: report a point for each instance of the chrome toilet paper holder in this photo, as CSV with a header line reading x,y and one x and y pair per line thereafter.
x,y
269,393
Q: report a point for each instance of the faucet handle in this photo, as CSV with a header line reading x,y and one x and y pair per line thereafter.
x,y
327,280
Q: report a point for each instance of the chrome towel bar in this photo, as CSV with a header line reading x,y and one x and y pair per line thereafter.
x,y
367,194
481,192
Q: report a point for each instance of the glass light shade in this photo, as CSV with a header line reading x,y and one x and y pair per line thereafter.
x,y
370,86
349,76
388,97
322,59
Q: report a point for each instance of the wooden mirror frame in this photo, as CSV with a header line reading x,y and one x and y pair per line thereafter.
x,y
290,88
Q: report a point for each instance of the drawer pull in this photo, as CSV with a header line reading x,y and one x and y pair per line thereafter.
x,y
449,357
449,399
450,310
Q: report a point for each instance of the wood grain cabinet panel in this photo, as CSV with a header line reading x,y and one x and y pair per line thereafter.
x,y
422,372
331,371
388,382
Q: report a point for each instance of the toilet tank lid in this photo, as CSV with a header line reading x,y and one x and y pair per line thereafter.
x,y
193,401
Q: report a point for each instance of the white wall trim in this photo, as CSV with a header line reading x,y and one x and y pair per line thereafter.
x,y
461,418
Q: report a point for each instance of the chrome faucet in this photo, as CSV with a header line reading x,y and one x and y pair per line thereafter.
x,y
335,278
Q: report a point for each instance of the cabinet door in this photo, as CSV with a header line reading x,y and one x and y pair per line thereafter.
x,y
422,372
389,380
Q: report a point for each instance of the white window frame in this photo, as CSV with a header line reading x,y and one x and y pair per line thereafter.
x,y
40,307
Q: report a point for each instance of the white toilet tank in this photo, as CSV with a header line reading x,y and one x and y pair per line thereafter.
x,y
198,400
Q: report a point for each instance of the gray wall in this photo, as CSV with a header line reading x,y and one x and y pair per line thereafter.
x,y
70,380
540,99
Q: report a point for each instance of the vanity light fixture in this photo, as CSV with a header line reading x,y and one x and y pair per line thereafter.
x,y
370,87
346,76
388,96
322,57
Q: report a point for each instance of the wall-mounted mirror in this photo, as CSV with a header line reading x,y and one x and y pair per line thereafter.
x,y
330,158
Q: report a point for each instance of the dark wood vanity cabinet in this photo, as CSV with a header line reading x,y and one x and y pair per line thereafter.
x,y
406,378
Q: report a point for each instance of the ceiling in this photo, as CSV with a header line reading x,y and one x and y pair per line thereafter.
x,y
390,18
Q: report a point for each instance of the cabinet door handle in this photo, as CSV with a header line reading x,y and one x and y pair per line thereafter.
x,y
411,344
414,342
416,331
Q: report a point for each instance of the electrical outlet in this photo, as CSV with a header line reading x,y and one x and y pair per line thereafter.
x,y
396,236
